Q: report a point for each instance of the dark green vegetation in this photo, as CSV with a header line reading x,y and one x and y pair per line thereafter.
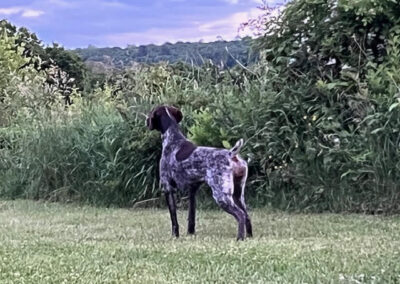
x,y
42,243
319,111
190,53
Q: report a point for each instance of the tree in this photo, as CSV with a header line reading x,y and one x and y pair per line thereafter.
x,y
69,62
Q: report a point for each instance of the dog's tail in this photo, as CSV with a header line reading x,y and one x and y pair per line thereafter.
x,y
235,150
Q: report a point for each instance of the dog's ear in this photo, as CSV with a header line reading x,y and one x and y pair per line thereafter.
x,y
150,121
176,113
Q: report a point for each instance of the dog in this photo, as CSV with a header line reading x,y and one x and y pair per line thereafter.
x,y
185,166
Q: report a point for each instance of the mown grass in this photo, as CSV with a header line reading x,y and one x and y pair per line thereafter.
x,y
54,243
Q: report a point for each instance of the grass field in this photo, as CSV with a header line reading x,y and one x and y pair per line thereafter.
x,y
53,243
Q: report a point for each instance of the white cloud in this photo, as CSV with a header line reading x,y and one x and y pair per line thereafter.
x,y
260,2
114,4
23,11
10,11
230,22
227,28
232,1
60,3
30,13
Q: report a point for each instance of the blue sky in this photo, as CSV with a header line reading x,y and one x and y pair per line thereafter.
x,y
75,23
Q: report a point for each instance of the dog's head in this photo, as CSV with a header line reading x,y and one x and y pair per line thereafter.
x,y
162,117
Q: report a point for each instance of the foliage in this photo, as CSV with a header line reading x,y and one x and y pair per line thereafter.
x,y
325,113
204,131
319,113
21,90
70,63
191,53
66,63
35,68
29,42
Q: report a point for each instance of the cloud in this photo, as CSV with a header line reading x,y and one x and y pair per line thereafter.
x,y
10,11
22,11
114,4
230,24
207,31
60,3
232,1
30,13
260,2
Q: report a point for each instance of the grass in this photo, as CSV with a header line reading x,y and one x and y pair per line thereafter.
x,y
55,243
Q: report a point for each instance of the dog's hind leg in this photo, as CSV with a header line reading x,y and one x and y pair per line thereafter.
x,y
222,188
238,197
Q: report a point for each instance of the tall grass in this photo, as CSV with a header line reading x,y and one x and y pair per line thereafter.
x,y
91,155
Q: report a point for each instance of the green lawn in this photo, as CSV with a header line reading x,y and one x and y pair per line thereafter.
x,y
54,243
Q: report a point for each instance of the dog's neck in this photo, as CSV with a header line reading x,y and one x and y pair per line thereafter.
x,y
172,136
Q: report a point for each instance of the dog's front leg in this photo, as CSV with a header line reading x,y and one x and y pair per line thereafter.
x,y
170,198
192,209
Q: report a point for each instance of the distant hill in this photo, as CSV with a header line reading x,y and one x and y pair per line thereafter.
x,y
196,53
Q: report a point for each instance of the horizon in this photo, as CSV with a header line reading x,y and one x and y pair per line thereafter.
x,y
120,23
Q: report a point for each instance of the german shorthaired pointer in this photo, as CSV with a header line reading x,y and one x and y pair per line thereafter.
x,y
185,166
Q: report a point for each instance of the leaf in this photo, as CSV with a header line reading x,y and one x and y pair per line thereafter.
x,y
226,144
393,106
377,130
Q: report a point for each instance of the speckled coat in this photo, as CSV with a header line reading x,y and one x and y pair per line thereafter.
x,y
205,164
185,166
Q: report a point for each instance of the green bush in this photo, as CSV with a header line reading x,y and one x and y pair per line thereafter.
x,y
321,116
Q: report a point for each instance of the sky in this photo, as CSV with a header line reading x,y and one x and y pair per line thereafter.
x,y
75,23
